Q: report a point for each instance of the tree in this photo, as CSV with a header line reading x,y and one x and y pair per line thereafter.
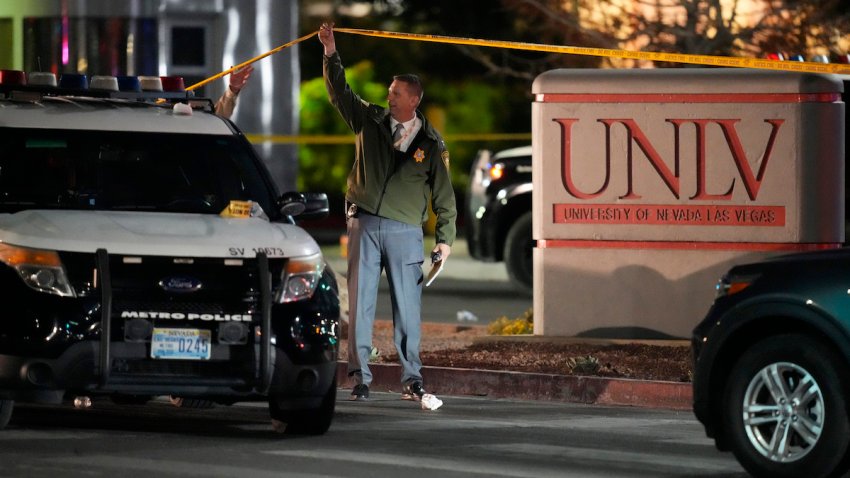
x,y
325,167
463,96
708,27
822,27
465,107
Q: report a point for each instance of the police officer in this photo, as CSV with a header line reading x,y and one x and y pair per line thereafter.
x,y
400,163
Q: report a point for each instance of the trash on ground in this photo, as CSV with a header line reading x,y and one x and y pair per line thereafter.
x,y
466,316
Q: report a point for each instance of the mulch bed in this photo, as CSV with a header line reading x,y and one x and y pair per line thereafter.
x,y
447,345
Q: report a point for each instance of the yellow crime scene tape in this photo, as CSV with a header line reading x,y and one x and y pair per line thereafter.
x,y
349,139
252,60
707,60
710,60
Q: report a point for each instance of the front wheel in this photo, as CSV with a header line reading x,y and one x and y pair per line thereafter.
x,y
314,421
784,409
519,245
6,407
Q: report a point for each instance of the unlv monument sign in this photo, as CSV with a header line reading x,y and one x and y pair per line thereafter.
x,y
649,184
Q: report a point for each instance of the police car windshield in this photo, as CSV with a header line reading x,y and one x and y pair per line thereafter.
x,y
113,170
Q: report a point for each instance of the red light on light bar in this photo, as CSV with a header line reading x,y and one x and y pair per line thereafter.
x,y
13,77
172,83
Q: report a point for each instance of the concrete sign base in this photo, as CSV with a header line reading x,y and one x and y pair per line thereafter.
x,y
650,184
627,293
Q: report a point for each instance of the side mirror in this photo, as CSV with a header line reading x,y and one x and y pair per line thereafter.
x,y
317,206
292,204
304,205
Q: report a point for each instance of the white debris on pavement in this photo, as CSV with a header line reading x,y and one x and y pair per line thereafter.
x,y
466,316
430,402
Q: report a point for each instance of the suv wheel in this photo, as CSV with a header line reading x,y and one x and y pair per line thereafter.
x,y
519,245
6,407
784,409
314,421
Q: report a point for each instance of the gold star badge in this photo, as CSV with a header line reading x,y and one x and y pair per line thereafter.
x,y
419,155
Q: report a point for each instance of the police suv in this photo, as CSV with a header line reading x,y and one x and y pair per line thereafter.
x,y
145,251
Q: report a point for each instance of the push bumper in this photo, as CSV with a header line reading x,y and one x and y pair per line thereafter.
x,y
47,380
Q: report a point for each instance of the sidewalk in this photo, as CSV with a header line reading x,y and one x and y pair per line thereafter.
x,y
532,386
507,384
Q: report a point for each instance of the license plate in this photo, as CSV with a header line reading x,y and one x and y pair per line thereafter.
x,y
180,344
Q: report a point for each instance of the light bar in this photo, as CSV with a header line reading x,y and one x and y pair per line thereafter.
x,y
150,83
42,78
74,81
37,85
129,83
106,83
13,77
172,83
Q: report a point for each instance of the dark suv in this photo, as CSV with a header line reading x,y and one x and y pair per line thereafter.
x,y
772,365
498,225
145,251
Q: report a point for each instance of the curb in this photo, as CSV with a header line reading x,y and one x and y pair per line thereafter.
x,y
534,386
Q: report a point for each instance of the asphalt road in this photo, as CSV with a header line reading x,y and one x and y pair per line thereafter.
x,y
451,300
468,437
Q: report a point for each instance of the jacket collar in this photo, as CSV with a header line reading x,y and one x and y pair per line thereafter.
x,y
384,117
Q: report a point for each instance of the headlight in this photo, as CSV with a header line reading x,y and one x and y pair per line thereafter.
x,y
300,278
730,285
40,270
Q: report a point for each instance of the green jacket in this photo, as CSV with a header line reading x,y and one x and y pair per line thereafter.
x,y
380,184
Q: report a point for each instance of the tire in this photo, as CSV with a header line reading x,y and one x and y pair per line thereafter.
x,y
6,407
806,406
193,403
519,262
314,421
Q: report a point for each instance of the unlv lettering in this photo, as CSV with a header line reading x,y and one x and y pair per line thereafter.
x,y
752,182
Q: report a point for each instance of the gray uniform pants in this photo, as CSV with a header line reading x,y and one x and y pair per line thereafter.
x,y
376,243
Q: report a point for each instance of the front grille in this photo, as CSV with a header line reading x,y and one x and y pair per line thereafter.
x,y
178,306
151,289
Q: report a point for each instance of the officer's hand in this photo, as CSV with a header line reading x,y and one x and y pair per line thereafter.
x,y
444,250
326,36
239,78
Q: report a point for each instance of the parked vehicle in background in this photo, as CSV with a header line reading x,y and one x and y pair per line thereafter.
x,y
771,376
498,225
